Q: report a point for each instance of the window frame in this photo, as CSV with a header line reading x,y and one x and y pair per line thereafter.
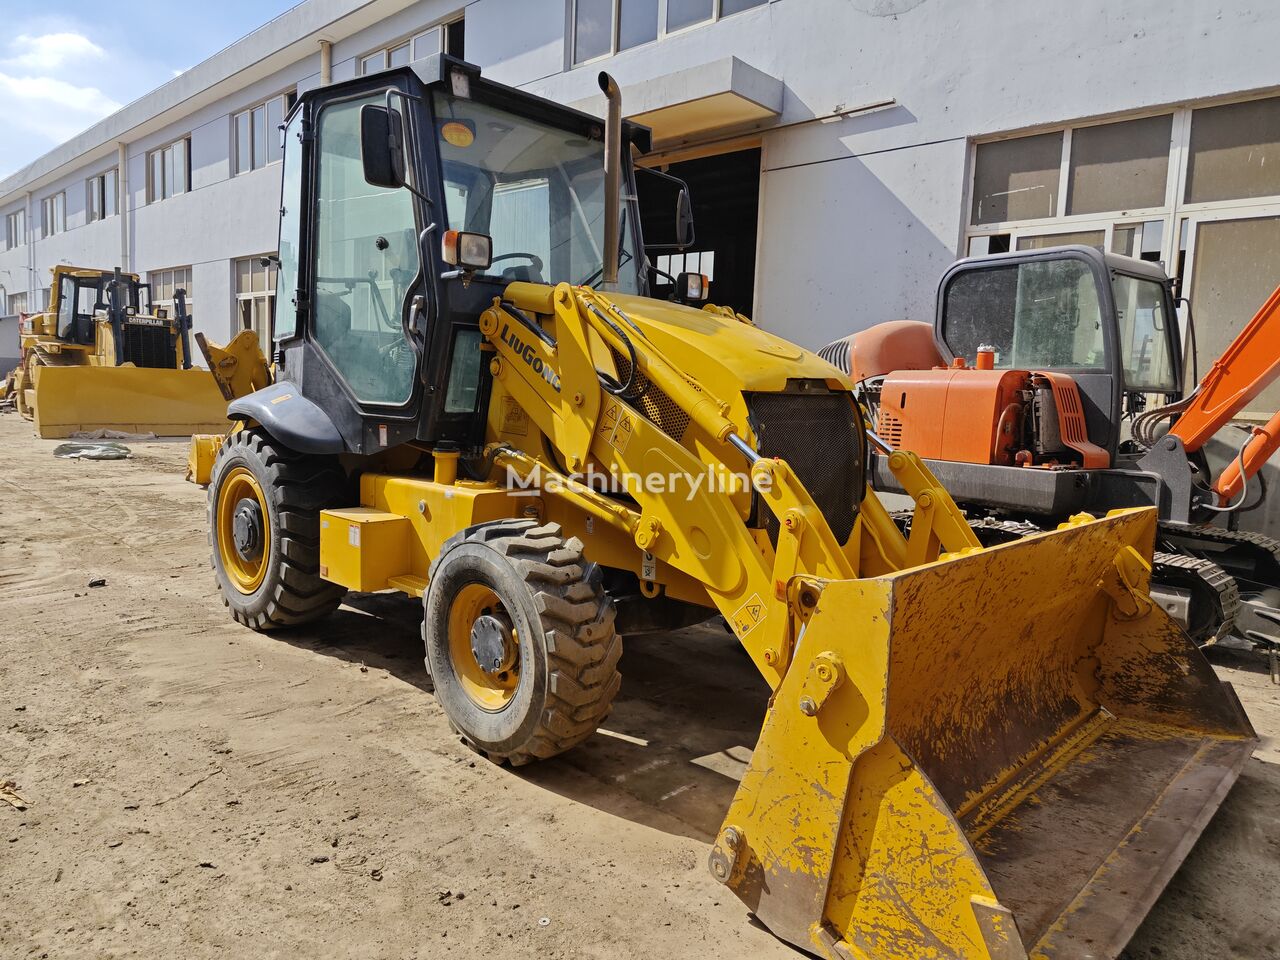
x,y
15,229
164,192
97,195
267,295
49,211
440,29
156,279
286,99
716,16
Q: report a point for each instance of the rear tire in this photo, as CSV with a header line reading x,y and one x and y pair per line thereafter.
x,y
270,578
551,669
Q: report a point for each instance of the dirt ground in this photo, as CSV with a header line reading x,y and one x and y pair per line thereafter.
x,y
199,790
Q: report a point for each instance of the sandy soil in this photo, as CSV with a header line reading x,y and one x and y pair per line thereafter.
x,y
199,790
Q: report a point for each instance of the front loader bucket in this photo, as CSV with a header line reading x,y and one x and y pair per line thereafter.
x,y
169,403
1008,756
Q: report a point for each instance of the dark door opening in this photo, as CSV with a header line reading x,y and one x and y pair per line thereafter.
x,y
725,191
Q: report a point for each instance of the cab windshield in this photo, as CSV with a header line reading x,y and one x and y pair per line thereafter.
x,y
536,190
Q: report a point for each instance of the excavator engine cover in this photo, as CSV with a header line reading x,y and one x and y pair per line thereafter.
x,y
953,414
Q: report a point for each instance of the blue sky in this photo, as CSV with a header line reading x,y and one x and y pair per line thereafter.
x,y
65,64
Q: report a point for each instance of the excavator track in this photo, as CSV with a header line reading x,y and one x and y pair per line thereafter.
x,y
1215,595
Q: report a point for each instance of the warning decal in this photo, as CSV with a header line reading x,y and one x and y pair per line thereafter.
x,y
616,426
749,616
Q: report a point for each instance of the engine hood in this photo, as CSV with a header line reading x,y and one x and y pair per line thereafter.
x,y
722,353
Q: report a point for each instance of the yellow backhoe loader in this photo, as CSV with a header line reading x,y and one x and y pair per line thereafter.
x,y
102,358
973,753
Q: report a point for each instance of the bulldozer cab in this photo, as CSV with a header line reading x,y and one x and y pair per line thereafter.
x,y
82,297
1107,321
429,190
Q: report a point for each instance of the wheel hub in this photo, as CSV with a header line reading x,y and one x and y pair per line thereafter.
x,y
493,644
246,530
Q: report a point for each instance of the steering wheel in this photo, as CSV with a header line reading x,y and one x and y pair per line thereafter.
x,y
533,258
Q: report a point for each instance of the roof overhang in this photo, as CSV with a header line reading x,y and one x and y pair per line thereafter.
x,y
699,101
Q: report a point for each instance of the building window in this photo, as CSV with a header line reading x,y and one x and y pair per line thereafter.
x,y
1017,179
169,170
605,27
17,303
447,38
101,196
53,214
256,296
1234,152
164,287
15,229
256,134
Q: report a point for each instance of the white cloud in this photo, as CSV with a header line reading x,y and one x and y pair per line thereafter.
x,y
42,101
48,52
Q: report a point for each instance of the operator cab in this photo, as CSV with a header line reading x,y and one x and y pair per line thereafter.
x,y
1106,321
411,200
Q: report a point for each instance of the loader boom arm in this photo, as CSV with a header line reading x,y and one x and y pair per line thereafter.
x,y
1248,366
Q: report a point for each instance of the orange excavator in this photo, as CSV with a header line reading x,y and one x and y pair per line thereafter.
x,y
1052,383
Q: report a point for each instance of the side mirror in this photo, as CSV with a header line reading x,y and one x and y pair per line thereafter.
x,y
666,210
684,218
382,146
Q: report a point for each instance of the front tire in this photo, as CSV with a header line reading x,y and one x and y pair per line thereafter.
x,y
519,639
264,530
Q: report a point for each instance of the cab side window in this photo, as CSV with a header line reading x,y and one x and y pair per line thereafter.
x,y
366,257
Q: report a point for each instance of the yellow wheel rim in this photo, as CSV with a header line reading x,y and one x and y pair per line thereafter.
x,y
488,691
245,569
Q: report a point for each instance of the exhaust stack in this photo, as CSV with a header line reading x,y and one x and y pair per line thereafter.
x,y
612,179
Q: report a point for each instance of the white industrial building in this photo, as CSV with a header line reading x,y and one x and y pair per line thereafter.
x,y
840,153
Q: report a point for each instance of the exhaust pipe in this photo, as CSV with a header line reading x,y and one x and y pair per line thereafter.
x,y
612,179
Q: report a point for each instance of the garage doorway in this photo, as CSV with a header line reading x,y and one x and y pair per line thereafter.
x,y
725,191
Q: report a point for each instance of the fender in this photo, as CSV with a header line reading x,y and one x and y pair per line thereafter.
x,y
290,417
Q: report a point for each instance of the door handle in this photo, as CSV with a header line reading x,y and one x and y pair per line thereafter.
x,y
416,307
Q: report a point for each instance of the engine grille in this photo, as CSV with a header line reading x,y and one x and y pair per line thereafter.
x,y
819,433
146,345
651,400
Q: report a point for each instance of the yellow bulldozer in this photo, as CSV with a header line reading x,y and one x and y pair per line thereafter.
x,y
987,754
102,358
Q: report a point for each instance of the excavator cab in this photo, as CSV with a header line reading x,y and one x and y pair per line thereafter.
x,y
1106,321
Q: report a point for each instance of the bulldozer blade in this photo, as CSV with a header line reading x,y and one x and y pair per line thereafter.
x,y
1008,758
171,403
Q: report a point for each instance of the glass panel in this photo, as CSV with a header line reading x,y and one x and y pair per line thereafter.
x,y
737,6
157,176
1123,240
181,167
66,307
275,116
1038,315
592,29
290,232
464,373
357,316
1235,151
637,22
681,13
426,44
168,172
535,189
1017,179
93,193
60,211
373,63
111,193
1090,238
1119,166
455,39
259,275
1235,269
399,56
244,276
1144,334
259,137
243,142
